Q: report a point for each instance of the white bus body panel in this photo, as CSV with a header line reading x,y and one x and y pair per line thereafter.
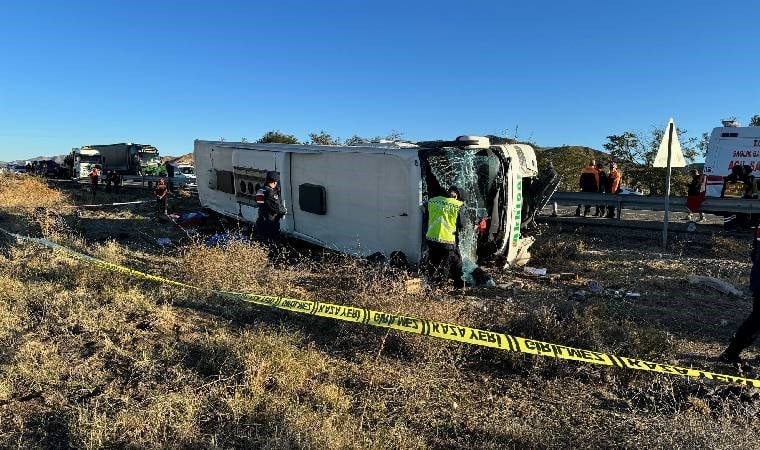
x,y
373,196
730,146
372,202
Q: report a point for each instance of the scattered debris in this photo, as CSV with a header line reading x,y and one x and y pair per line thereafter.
x,y
221,239
191,219
579,295
595,287
413,286
482,278
163,242
536,272
715,283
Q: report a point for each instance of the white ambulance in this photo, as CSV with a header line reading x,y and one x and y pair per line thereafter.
x,y
729,146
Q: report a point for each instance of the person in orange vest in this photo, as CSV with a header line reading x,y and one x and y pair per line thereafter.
x,y
94,175
589,182
613,180
162,196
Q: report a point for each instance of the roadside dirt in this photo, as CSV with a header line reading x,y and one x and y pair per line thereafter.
x,y
93,359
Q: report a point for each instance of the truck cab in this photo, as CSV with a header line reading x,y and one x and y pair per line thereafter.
x,y
84,161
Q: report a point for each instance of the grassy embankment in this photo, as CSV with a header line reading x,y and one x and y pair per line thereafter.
x,y
93,359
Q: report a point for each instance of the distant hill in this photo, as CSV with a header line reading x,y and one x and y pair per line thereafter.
x,y
184,159
582,148
57,158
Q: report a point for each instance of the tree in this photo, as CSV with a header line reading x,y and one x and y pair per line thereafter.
x,y
702,146
689,145
393,136
568,161
322,138
625,147
650,179
356,140
277,137
755,121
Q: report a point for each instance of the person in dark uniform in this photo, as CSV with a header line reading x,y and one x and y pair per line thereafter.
x,y
738,184
169,173
751,325
117,181
109,181
271,209
603,186
444,225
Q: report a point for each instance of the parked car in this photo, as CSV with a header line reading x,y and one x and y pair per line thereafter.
x,y
185,174
627,191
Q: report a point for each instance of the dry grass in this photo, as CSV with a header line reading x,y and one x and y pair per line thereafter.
x,y
28,191
91,359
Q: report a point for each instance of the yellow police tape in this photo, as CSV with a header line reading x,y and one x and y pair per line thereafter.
x,y
440,330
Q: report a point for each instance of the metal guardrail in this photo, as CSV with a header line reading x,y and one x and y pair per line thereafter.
x,y
151,179
640,202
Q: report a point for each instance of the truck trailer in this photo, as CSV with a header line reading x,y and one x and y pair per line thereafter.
x,y
364,200
729,146
123,158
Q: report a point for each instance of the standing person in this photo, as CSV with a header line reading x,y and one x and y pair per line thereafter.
x,y
589,182
162,196
603,185
117,180
444,224
695,195
735,186
170,173
271,210
137,163
109,180
613,183
746,332
94,175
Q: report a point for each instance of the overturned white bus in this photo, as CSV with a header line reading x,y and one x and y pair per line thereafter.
x,y
363,200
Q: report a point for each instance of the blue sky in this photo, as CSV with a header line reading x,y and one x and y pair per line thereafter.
x,y
165,73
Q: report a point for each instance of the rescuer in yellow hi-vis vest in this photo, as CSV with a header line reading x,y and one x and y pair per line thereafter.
x,y
444,223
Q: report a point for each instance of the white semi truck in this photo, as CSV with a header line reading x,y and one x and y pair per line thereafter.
x,y
729,146
126,159
83,160
363,200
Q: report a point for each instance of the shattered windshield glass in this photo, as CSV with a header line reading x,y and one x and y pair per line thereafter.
x,y
474,175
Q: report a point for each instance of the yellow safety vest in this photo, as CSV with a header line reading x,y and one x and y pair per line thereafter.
x,y
442,219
